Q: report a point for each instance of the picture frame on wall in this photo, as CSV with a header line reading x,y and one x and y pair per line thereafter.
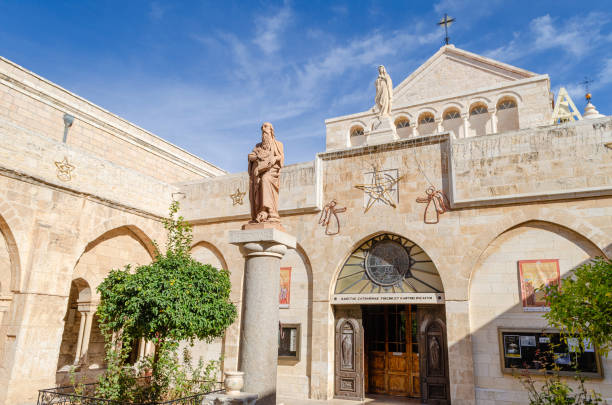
x,y
542,351
533,275
284,296
289,341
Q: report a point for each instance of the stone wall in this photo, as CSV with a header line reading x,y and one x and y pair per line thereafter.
x,y
496,274
543,163
31,103
210,200
455,244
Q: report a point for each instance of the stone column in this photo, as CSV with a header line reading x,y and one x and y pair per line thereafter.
x,y
413,125
493,120
466,124
258,352
87,312
439,127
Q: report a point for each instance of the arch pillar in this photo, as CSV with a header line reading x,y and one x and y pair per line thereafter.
x,y
87,311
466,124
460,359
493,112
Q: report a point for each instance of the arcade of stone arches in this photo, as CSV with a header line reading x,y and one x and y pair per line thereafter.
x,y
81,342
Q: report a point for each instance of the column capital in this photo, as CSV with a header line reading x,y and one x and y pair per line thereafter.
x,y
262,242
87,307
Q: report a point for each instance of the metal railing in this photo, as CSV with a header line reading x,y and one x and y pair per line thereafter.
x,y
67,396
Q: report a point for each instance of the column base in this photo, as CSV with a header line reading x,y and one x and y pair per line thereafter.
x,y
244,398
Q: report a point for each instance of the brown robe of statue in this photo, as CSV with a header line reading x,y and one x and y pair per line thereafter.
x,y
265,163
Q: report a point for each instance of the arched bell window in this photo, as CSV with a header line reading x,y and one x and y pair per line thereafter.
x,y
357,135
357,131
507,115
479,109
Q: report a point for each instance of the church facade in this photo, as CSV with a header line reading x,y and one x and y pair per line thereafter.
x,y
421,238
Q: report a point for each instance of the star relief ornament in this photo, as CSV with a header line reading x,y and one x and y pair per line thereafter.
x,y
64,169
381,188
238,197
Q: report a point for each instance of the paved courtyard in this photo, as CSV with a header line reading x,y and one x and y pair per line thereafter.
x,y
370,400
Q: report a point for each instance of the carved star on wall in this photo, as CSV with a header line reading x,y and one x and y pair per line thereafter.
x,y
64,170
379,189
238,197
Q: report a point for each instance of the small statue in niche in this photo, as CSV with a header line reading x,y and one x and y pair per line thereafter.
x,y
434,353
265,163
384,92
347,350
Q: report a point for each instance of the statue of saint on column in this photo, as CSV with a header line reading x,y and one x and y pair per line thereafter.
x,y
265,163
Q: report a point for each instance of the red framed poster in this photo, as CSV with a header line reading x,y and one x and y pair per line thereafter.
x,y
535,274
285,287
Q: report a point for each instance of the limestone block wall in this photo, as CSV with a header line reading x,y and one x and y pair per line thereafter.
x,y
32,103
30,154
47,230
546,163
210,199
455,244
496,274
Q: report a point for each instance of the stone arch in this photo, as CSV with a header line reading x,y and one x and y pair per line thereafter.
x,y
131,231
213,249
496,274
416,239
14,284
452,105
403,125
402,113
69,352
564,220
479,99
142,229
356,133
507,118
454,124
479,122
509,94
299,312
426,121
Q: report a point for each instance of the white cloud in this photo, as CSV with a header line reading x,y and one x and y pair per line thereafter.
x,y
269,29
571,37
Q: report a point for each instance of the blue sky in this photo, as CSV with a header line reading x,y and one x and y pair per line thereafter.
x,y
205,74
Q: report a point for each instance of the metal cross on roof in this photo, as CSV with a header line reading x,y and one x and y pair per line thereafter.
x,y
447,23
586,83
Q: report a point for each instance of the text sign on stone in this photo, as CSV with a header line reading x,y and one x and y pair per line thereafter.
x,y
389,298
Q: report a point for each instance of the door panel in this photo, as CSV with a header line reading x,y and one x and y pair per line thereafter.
x,y
348,362
434,359
391,351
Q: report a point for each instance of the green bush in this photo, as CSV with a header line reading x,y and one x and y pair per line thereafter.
x,y
174,298
582,305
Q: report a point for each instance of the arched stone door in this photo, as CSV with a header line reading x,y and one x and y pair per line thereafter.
x,y
434,355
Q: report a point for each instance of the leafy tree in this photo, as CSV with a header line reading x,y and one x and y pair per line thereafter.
x,y
172,299
582,305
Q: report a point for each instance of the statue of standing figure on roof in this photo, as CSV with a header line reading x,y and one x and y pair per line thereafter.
x,y
384,92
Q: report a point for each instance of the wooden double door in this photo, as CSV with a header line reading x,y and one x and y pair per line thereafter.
x,y
391,350
396,350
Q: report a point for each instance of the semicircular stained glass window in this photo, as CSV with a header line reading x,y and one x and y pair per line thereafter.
x,y
388,263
